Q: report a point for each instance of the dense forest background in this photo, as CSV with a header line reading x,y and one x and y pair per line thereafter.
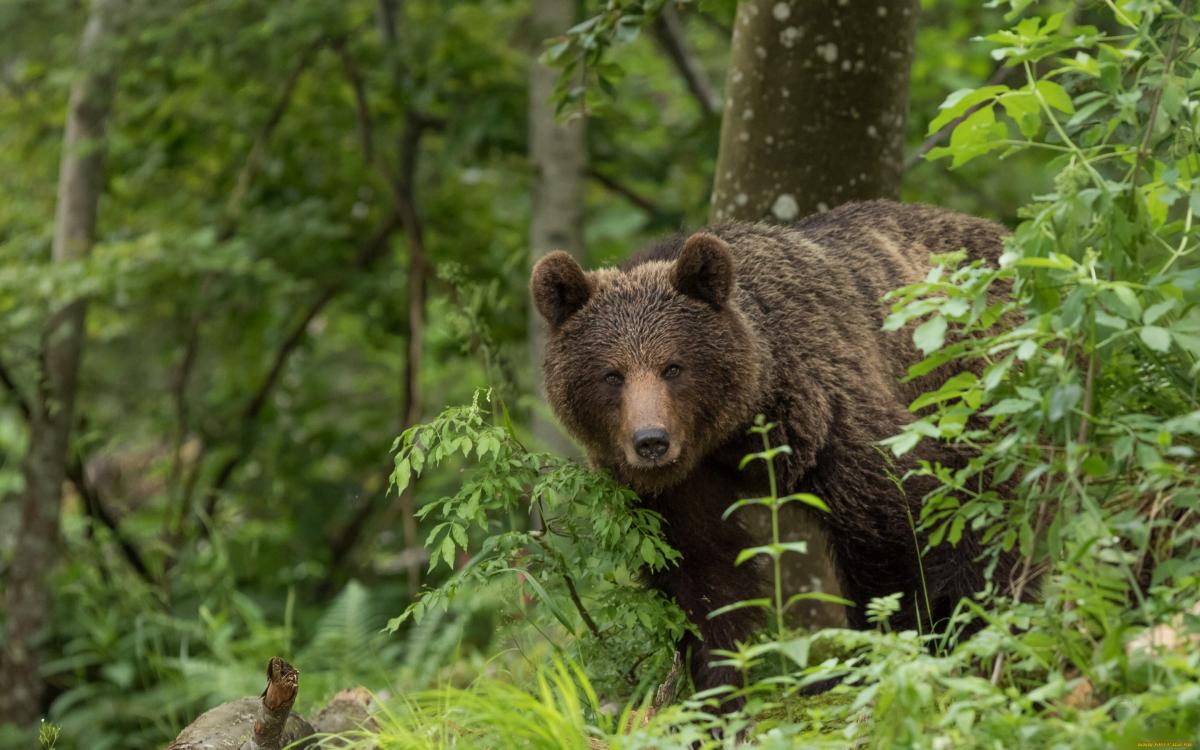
x,y
313,226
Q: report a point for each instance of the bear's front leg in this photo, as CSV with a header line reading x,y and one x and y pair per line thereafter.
x,y
692,588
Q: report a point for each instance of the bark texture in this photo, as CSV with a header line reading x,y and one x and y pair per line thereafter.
x,y
558,157
816,98
80,182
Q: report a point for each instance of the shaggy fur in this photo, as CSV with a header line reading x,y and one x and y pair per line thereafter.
x,y
697,335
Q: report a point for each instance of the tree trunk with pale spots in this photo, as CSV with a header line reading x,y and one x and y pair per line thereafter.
x,y
816,97
80,182
817,93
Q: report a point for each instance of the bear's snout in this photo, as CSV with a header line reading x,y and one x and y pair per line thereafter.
x,y
651,443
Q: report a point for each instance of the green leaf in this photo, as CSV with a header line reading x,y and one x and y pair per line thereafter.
x,y
956,529
1056,96
1156,311
930,335
743,503
1062,399
1010,406
1155,337
816,596
1022,106
978,134
648,552
1128,301
959,102
803,497
402,475
748,603
770,550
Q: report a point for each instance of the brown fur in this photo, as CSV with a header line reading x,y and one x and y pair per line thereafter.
x,y
782,321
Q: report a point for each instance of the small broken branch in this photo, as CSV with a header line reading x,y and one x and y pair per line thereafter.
x,y
283,684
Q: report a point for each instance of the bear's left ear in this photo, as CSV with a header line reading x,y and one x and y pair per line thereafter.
x,y
559,287
704,269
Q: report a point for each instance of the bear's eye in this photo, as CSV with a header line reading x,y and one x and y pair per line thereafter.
x,y
614,378
672,371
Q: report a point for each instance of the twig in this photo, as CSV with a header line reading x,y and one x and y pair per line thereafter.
x,y
1089,387
668,29
1152,116
1019,588
583,613
626,192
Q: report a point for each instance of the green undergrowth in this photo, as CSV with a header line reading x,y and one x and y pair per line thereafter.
x,y
1078,403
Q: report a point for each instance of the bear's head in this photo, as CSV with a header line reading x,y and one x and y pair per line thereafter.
x,y
653,367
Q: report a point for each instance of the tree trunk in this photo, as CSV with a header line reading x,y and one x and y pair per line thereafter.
x,y
404,196
817,93
558,155
80,181
816,97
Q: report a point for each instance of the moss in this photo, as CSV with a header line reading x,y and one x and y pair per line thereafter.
x,y
816,716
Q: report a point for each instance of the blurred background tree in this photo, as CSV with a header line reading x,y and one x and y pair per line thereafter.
x,y
314,228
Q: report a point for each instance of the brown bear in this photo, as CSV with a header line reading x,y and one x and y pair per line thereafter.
x,y
658,367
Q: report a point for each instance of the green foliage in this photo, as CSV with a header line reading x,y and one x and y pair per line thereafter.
x,y
48,735
1079,405
1085,397
578,556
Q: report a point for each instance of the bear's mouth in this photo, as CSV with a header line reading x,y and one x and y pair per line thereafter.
x,y
653,475
666,461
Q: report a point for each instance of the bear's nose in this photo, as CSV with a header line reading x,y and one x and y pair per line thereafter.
x,y
651,442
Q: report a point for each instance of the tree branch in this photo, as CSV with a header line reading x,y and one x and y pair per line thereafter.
x,y
233,208
626,192
362,110
92,503
367,255
668,30
226,228
95,508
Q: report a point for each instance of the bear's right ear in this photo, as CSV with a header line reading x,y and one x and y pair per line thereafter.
x,y
559,287
704,269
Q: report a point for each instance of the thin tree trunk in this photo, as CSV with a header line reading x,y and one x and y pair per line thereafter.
x,y
816,97
391,18
558,156
817,93
80,182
